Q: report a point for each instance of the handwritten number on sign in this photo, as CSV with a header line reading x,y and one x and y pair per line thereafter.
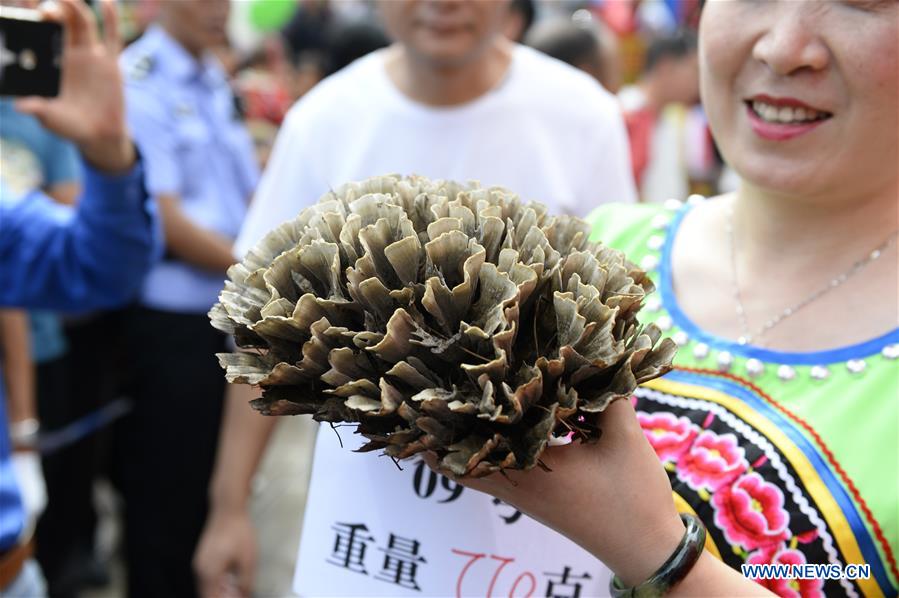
x,y
503,563
519,579
425,483
474,557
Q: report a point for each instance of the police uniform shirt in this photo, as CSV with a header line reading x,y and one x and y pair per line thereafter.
x,y
182,114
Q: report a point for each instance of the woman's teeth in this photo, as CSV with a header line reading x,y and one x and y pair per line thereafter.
x,y
786,114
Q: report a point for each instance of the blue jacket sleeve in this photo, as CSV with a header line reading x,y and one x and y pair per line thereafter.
x,y
61,162
90,257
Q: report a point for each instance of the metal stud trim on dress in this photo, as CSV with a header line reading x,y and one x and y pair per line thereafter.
x,y
725,360
754,367
819,372
660,221
856,366
786,373
649,262
655,242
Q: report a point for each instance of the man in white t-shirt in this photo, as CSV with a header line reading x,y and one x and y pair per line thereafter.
x,y
453,99
529,123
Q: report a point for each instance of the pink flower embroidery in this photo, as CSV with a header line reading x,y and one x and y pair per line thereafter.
x,y
750,512
787,588
670,436
712,461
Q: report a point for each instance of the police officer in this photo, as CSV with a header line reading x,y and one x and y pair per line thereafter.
x,y
202,171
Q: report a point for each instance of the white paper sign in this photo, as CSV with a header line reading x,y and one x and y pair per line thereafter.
x,y
373,530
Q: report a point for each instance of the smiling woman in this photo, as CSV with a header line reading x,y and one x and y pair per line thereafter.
x,y
779,426
832,58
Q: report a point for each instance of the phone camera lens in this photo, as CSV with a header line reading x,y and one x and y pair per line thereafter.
x,y
28,60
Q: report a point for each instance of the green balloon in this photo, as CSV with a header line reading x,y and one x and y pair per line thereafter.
x,y
271,15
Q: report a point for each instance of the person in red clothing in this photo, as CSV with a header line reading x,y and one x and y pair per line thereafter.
x,y
654,115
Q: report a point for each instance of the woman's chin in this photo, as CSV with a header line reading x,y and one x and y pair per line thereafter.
x,y
787,177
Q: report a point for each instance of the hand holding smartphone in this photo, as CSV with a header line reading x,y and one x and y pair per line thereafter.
x,y
89,108
30,53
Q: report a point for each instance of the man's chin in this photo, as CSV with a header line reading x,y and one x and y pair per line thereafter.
x,y
448,58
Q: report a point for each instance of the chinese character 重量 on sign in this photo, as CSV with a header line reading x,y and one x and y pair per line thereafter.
x,y
371,529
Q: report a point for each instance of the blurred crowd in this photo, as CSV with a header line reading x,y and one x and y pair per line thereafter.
x,y
133,398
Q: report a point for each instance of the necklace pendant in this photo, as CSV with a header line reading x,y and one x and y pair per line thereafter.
x,y
744,340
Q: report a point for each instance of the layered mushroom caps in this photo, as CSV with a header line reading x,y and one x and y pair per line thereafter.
x,y
442,317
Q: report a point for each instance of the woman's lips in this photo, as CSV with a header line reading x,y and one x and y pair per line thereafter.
x,y
779,120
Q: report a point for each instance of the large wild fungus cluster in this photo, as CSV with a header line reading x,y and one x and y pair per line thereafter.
x,y
439,316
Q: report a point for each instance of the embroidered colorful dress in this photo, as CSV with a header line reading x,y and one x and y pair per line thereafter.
x,y
788,458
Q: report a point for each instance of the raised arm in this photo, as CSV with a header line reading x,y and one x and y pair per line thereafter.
x,y
96,255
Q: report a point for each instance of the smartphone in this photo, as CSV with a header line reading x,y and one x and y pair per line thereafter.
x,y
30,53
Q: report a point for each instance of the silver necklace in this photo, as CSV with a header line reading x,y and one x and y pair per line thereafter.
x,y
747,335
